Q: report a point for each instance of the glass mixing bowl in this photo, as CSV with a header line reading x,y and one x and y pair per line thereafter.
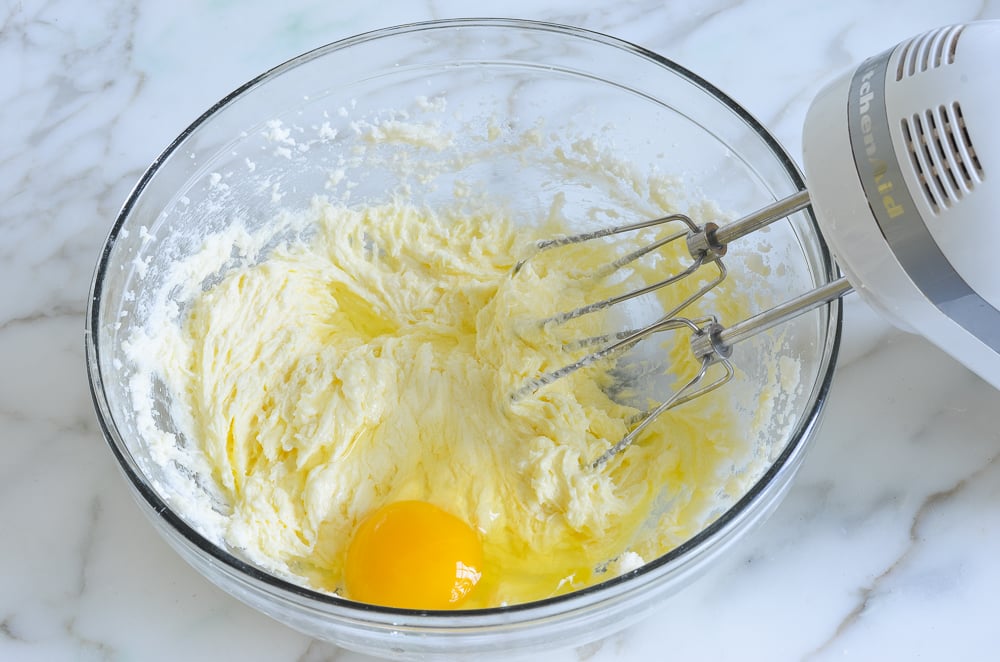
x,y
507,95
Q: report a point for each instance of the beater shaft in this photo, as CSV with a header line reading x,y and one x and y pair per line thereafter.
x,y
762,217
784,312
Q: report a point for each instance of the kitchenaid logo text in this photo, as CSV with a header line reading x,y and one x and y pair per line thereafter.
x,y
879,167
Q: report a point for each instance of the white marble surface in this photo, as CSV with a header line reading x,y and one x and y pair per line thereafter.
x,y
887,546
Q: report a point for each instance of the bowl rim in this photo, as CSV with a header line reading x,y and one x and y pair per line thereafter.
x,y
464,618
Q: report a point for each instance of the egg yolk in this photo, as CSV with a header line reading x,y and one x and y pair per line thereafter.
x,y
414,555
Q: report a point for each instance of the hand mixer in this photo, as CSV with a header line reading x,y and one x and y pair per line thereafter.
x,y
898,154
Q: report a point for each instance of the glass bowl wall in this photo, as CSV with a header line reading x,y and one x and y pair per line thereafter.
x,y
274,143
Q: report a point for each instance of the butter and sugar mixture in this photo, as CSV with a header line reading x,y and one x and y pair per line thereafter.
x,y
372,363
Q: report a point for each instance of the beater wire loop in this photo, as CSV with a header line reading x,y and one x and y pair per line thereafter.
x,y
694,388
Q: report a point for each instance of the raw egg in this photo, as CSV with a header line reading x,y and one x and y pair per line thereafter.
x,y
414,555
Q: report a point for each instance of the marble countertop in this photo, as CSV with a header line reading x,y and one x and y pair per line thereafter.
x,y
886,546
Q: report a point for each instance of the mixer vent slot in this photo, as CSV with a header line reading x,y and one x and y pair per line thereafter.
x,y
942,155
929,51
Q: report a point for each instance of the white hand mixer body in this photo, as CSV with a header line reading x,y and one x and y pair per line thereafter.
x,y
907,204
